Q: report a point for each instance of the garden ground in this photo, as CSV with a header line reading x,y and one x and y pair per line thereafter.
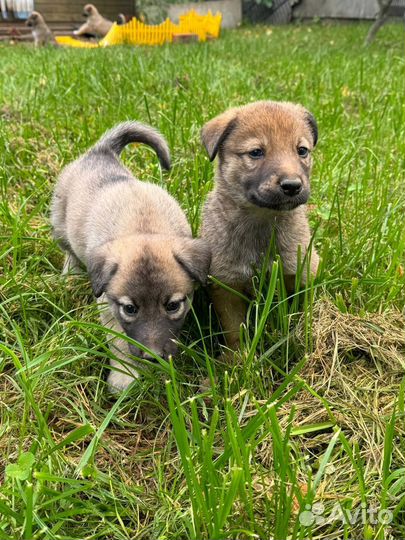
x,y
312,411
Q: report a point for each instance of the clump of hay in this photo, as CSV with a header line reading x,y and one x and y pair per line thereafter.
x,y
356,365
355,368
377,336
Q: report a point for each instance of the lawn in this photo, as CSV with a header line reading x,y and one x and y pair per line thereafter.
x,y
303,436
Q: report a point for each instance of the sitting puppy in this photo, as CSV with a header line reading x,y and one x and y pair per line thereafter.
x,y
41,32
262,185
134,240
96,24
121,19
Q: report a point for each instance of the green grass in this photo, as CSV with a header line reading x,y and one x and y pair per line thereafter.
x,y
313,410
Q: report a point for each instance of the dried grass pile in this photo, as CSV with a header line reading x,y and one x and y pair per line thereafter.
x,y
356,367
380,337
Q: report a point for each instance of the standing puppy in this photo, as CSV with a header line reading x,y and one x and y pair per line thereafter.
x,y
96,24
41,32
262,185
134,240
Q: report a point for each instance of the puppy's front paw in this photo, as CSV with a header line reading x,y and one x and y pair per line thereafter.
x,y
117,382
75,32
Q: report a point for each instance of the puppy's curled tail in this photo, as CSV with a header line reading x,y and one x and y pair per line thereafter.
x,y
115,139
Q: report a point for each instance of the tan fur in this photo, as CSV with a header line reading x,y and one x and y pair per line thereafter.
x,y
250,203
96,24
135,242
41,32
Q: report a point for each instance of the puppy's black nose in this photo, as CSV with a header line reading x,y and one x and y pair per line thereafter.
x,y
291,186
147,356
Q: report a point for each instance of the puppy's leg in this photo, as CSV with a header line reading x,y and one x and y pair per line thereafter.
x,y
84,29
290,268
231,310
289,282
71,264
122,374
120,378
294,238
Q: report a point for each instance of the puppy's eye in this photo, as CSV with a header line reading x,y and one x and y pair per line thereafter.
x,y
302,151
257,153
130,310
172,307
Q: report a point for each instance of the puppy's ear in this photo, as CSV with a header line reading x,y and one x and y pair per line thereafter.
x,y
90,9
310,118
194,257
100,271
214,133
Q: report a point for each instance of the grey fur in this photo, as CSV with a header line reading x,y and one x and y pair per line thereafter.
x,y
130,235
120,136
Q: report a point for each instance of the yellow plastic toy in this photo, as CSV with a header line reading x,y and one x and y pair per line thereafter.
x,y
136,32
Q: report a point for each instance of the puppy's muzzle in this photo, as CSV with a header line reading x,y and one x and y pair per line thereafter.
x,y
279,192
291,186
170,348
143,354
